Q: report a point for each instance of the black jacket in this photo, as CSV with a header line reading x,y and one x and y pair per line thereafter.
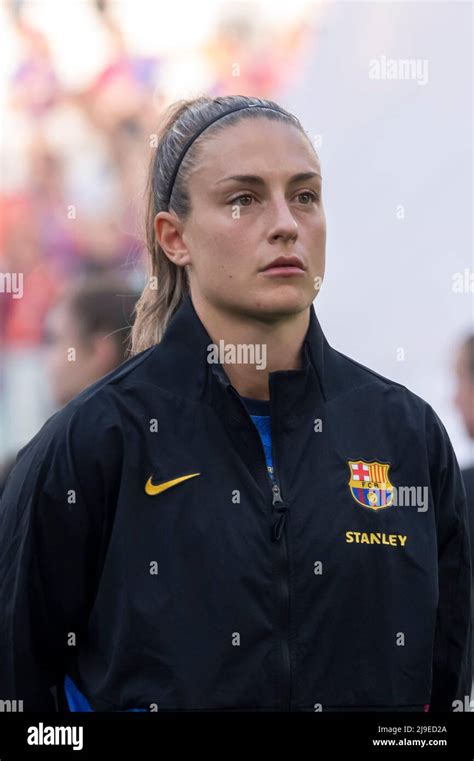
x,y
468,478
223,592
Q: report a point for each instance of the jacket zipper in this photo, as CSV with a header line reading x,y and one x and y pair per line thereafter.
x,y
278,536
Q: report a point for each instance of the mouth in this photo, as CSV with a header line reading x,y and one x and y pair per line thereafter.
x,y
285,266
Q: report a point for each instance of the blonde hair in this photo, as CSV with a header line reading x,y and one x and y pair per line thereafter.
x,y
181,120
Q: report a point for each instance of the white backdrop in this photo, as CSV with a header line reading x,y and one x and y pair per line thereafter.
x,y
386,144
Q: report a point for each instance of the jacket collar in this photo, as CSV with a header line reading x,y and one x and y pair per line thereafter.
x,y
183,370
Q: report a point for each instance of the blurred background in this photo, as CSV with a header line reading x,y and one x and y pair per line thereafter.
x,y
82,85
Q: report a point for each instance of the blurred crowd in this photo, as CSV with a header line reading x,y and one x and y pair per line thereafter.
x,y
73,207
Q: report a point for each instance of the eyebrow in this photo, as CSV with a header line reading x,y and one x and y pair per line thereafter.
x,y
255,180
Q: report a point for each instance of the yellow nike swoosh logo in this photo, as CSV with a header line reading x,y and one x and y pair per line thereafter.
x,y
153,489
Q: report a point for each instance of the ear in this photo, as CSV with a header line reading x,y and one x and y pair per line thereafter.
x,y
169,234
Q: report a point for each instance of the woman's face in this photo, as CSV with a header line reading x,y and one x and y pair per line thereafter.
x,y
464,392
237,227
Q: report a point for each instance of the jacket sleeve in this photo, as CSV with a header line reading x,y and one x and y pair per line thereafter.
x,y
54,522
452,673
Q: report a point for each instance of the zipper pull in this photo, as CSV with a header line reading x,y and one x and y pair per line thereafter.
x,y
276,494
279,524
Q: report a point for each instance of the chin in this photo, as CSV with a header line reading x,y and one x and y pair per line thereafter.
x,y
283,301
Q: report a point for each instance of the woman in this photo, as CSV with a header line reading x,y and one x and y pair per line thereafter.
x,y
240,517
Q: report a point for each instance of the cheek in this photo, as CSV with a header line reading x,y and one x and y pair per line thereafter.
x,y
316,243
223,255
320,228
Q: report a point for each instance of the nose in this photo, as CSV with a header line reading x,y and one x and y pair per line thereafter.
x,y
283,226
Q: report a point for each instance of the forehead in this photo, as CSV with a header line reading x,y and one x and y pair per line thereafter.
x,y
256,145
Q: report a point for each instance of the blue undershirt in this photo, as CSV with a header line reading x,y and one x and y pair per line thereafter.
x,y
259,411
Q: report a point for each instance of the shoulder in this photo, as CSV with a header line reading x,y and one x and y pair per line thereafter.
x,y
84,437
95,408
410,417
347,376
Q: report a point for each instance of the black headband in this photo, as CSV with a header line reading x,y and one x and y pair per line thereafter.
x,y
205,126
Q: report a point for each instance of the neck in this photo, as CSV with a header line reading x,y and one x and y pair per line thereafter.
x,y
272,345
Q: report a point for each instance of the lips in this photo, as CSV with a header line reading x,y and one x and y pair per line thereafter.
x,y
285,261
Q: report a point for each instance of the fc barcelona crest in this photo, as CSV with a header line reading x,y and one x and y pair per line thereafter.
x,y
370,485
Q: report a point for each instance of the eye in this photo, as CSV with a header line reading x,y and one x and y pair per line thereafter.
x,y
312,196
243,195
